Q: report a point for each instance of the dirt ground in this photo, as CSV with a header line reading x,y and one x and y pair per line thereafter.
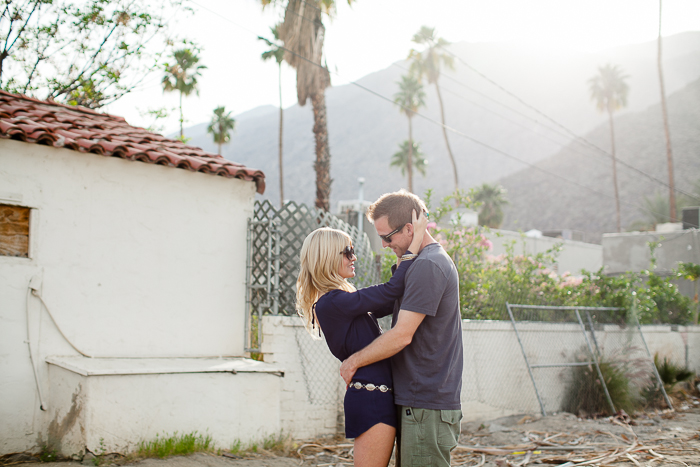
x,y
653,439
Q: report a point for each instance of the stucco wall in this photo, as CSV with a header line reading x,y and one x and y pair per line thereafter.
x,y
132,259
495,379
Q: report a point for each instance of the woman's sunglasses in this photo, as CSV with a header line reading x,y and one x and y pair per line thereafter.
x,y
349,252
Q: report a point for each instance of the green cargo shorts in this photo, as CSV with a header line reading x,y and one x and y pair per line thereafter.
x,y
426,437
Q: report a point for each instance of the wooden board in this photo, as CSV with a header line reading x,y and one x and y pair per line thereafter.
x,y
14,231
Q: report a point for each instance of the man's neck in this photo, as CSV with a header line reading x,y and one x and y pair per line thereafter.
x,y
427,240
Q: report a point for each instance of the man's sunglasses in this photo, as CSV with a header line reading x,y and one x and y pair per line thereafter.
x,y
387,237
349,252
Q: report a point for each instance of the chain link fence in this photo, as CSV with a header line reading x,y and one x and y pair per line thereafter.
x,y
275,237
585,360
555,365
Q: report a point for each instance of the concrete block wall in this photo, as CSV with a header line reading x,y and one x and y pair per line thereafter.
x,y
312,390
496,381
573,257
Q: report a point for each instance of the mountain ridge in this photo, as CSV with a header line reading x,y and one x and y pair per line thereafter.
x,y
639,141
365,131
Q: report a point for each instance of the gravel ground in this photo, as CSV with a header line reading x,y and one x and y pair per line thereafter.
x,y
658,439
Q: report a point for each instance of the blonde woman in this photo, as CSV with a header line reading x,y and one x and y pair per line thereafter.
x,y
348,318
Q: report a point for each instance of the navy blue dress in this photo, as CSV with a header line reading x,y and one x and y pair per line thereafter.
x,y
349,324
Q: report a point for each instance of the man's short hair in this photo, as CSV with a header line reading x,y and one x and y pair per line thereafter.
x,y
397,207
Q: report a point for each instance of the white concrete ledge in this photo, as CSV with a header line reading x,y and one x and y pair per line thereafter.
x,y
158,366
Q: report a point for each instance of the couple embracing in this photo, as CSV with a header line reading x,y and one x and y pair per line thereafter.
x,y
403,383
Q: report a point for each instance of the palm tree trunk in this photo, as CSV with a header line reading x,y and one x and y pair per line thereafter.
x,y
280,142
409,163
614,167
667,133
444,133
182,119
695,299
323,156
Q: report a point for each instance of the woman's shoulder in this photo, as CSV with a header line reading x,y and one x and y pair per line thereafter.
x,y
329,297
329,303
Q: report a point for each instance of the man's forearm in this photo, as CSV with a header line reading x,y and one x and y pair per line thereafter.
x,y
388,344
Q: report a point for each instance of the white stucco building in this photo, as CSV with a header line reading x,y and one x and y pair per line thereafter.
x,y
128,248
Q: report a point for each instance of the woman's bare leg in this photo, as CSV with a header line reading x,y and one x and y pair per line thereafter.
x,y
373,447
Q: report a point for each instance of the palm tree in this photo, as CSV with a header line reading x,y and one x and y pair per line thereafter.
x,y
609,91
221,125
182,76
277,52
402,159
655,209
410,97
667,131
302,32
428,64
493,198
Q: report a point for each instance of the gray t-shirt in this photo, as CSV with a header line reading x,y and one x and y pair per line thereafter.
x,y
428,372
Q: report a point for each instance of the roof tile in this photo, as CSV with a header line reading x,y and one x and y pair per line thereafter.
x,y
79,129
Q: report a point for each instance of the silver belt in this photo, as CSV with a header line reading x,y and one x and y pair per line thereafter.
x,y
370,386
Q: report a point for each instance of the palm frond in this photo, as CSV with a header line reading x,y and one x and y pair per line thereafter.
x,y
400,158
609,88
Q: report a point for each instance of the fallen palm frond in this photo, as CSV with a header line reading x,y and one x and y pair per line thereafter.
x,y
584,449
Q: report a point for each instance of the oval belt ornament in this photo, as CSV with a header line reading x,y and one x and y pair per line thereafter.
x,y
370,386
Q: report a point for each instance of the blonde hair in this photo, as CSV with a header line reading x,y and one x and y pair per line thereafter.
x,y
320,262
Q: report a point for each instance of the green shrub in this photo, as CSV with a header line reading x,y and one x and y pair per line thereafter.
x,y
487,282
586,395
670,373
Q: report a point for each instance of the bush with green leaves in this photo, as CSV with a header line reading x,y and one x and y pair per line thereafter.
x,y
625,377
691,272
487,282
671,374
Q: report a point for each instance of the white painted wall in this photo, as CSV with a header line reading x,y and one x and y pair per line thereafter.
x,y
133,260
496,381
312,389
629,251
115,412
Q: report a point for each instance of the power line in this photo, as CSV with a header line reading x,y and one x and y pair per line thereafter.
x,y
575,138
448,128
567,130
489,98
454,93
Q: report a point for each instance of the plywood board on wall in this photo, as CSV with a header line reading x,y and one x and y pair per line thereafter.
x,y
14,231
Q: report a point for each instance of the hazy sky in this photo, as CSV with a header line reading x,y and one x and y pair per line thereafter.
x,y
372,34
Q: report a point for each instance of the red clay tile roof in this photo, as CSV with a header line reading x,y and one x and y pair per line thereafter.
x,y
49,123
